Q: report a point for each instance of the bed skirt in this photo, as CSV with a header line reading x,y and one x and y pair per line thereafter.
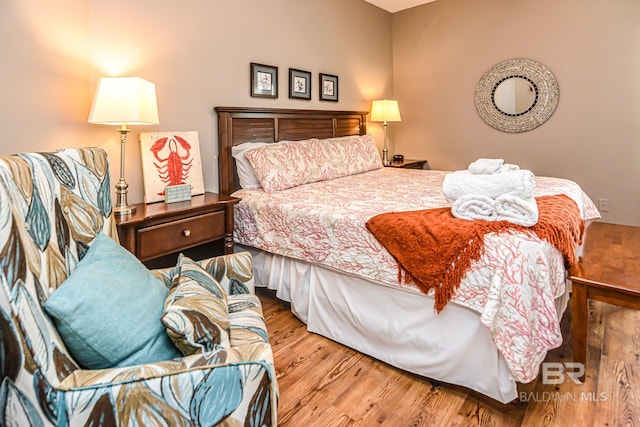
x,y
394,325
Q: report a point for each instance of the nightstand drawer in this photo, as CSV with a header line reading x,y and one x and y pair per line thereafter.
x,y
174,236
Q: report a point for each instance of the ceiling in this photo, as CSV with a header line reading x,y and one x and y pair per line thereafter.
x,y
397,5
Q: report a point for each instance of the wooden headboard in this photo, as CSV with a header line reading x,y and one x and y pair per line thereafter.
x,y
237,125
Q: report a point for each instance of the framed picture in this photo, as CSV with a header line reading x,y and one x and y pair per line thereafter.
x,y
299,84
328,87
264,80
170,158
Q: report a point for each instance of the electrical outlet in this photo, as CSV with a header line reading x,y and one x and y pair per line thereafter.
x,y
603,205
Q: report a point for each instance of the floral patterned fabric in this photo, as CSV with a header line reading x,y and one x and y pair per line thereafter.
x,y
292,163
196,313
245,310
52,205
512,286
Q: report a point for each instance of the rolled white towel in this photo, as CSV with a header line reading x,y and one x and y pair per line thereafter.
x,y
508,167
474,206
483,165
520,183
518,210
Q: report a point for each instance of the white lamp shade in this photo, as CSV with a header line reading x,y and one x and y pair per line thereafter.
x,y
385,110
124,100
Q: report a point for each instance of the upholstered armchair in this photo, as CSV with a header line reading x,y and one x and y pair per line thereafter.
x,y
52,207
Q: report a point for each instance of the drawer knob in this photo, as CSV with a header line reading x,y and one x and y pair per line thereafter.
x,y
186,233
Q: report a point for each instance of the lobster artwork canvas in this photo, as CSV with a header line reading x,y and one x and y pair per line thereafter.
x,y
170,158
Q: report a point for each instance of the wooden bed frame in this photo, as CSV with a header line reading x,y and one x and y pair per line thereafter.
x,y
237,125
479,365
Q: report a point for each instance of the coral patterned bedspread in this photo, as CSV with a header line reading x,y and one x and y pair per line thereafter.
x,y
512,286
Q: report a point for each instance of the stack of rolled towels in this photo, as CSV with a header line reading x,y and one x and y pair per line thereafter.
x,y
492,190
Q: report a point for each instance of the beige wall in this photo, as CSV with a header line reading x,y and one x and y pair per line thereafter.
x,y
441,49
196,52
43,74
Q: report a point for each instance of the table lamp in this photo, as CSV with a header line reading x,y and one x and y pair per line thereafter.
x,y
385,110
123,101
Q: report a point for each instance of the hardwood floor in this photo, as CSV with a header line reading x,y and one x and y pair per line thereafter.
x,y
323,383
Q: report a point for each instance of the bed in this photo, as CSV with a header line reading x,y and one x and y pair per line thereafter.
x,y
311,246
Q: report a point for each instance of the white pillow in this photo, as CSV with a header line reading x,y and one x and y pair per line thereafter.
x,y
245,171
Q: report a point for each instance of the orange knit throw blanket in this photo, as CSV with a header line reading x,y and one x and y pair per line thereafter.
x,y
434,249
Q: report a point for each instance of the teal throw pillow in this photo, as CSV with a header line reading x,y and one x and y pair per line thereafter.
x,y
108,310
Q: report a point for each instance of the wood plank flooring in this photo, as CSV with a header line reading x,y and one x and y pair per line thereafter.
x,y
323,383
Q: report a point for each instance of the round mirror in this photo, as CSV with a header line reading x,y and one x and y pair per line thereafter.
x,y
517,95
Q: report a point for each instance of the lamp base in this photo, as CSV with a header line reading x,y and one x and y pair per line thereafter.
x,y
124,210
385,157
385,151
122,207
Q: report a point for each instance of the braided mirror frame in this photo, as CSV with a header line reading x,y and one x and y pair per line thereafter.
x,y
543,82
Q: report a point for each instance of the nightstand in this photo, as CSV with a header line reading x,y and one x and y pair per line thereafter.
x,y
410,164
159,231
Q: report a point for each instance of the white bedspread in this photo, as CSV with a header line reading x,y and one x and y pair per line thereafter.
x,y
512,287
